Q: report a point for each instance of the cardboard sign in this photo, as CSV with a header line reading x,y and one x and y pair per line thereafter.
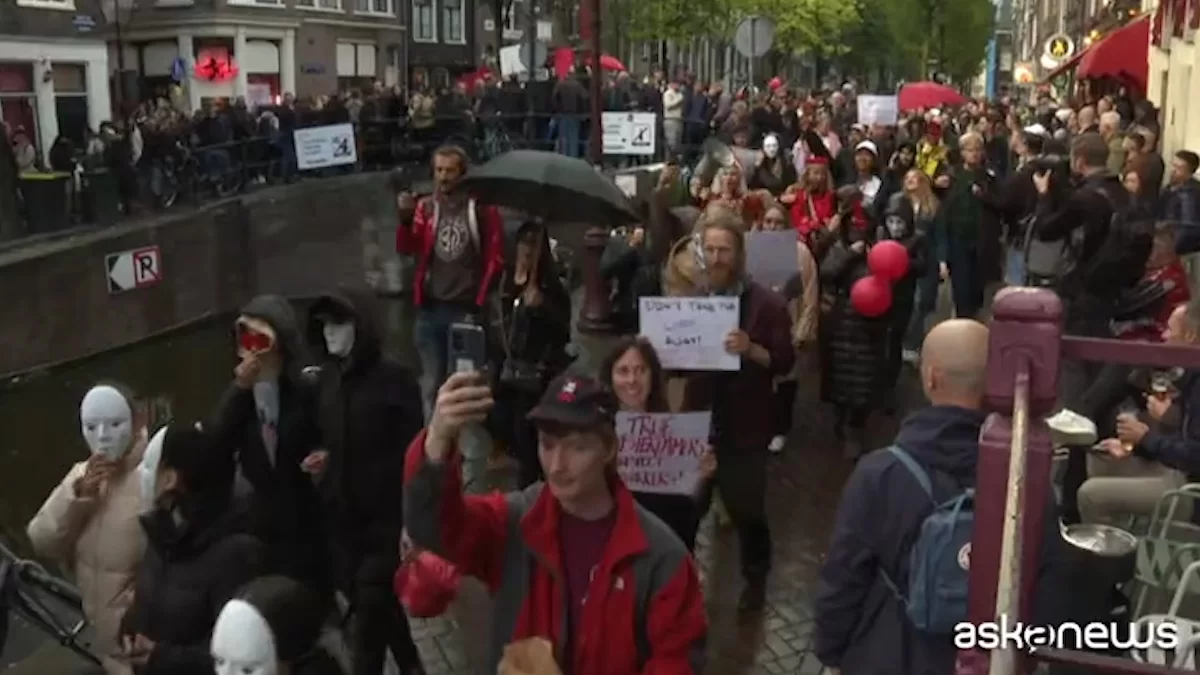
x,y
689,333
878,109
660,452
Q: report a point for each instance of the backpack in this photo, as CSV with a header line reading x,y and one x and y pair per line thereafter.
x,y
940,559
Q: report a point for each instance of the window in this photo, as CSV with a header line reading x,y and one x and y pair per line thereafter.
x,y
452,22
256,3
512,18
332,5
48,4
424,21
383,7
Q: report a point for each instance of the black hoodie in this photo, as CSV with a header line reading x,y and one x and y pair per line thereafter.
x,y
860,626
284,508
369,410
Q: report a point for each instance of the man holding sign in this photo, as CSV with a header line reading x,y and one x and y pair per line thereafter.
x,y
741,420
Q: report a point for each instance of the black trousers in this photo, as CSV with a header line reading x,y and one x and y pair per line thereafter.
x,y
681,513
783,404
380,624
742,480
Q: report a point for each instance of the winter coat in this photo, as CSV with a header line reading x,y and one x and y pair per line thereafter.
x,y
186,577
285,510
369,410
860,626
101,542
511,542
852,345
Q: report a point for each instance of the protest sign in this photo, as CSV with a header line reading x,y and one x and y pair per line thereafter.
x,y
878,110
660,452
689,333
771,257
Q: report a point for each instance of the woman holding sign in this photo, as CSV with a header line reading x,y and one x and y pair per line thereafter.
x,y
635,374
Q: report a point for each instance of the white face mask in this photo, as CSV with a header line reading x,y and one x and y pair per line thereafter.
x,y
107,422
339,338
770,147
242,642
148,468
895,226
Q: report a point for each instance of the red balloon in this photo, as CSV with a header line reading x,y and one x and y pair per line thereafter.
x,y
871,296
888,259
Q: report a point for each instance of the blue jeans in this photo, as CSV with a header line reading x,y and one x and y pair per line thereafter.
x,y
1014,266
568,135
431,333
924,305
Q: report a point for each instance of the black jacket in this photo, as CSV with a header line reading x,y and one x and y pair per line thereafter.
x,y
1084,214
369,410
860,626
186,576
284,508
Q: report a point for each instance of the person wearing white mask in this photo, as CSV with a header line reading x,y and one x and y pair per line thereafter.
x,y
271,627
90,521
773,172
369,409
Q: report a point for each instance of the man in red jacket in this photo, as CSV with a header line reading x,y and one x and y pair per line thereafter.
x,y
573,560
458,245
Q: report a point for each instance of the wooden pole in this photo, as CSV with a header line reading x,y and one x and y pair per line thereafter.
x,y
1008,590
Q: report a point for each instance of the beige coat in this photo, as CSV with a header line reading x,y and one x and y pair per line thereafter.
x,y
101,542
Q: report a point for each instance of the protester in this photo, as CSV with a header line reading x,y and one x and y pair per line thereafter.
x,y
861,624
199,553
579,535
271,628
267,420
634,372
368,408
90,521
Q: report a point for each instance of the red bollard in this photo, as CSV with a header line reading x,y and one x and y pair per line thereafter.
x,y
1026,332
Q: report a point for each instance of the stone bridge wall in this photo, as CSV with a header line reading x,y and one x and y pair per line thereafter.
x,y
297,240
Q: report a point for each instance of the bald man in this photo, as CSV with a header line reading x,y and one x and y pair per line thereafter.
x,y
861,627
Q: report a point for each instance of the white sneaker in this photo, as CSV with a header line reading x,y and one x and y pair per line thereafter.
x,y
776,444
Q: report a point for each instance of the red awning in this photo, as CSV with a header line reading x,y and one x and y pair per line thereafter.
x,y
1123,53
1065,66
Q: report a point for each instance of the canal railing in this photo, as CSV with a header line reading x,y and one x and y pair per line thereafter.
x,y
1026,349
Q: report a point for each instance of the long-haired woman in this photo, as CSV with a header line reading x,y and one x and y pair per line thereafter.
x,y
919,205
635,374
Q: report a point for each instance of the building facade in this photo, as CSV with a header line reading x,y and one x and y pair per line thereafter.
x,y
53,69
262,49
1174,81
443,40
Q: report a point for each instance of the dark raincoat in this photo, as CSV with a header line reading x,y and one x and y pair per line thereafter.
x,y
284,508
861,628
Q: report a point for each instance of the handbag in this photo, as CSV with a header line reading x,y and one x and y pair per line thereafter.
x,y
520,374
424,583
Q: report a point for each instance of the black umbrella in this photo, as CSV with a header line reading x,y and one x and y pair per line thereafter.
x,y
550,186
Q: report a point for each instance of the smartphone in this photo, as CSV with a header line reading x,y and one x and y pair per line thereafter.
x,y
466,350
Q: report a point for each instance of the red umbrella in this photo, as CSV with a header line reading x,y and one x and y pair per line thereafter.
x,y
1121,54
928,95
564,58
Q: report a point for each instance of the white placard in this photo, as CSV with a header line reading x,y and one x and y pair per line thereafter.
x,y
689,333
330,145
660,452
629,133
878,109
628,184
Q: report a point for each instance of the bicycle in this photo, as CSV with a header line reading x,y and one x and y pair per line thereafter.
x,y
27,591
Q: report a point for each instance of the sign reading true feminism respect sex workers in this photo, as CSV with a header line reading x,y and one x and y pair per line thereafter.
x,y
660,452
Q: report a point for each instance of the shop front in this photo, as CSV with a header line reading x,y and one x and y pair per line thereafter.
x,y
48,89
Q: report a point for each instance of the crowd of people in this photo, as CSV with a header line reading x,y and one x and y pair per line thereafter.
x,y
328,473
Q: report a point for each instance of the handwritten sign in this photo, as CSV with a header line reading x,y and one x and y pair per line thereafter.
x,y
878,109
689,333
660,452
771,257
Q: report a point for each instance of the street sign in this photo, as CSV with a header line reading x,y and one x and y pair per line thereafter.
x,y
754,36
628,133
1060,47
128,270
